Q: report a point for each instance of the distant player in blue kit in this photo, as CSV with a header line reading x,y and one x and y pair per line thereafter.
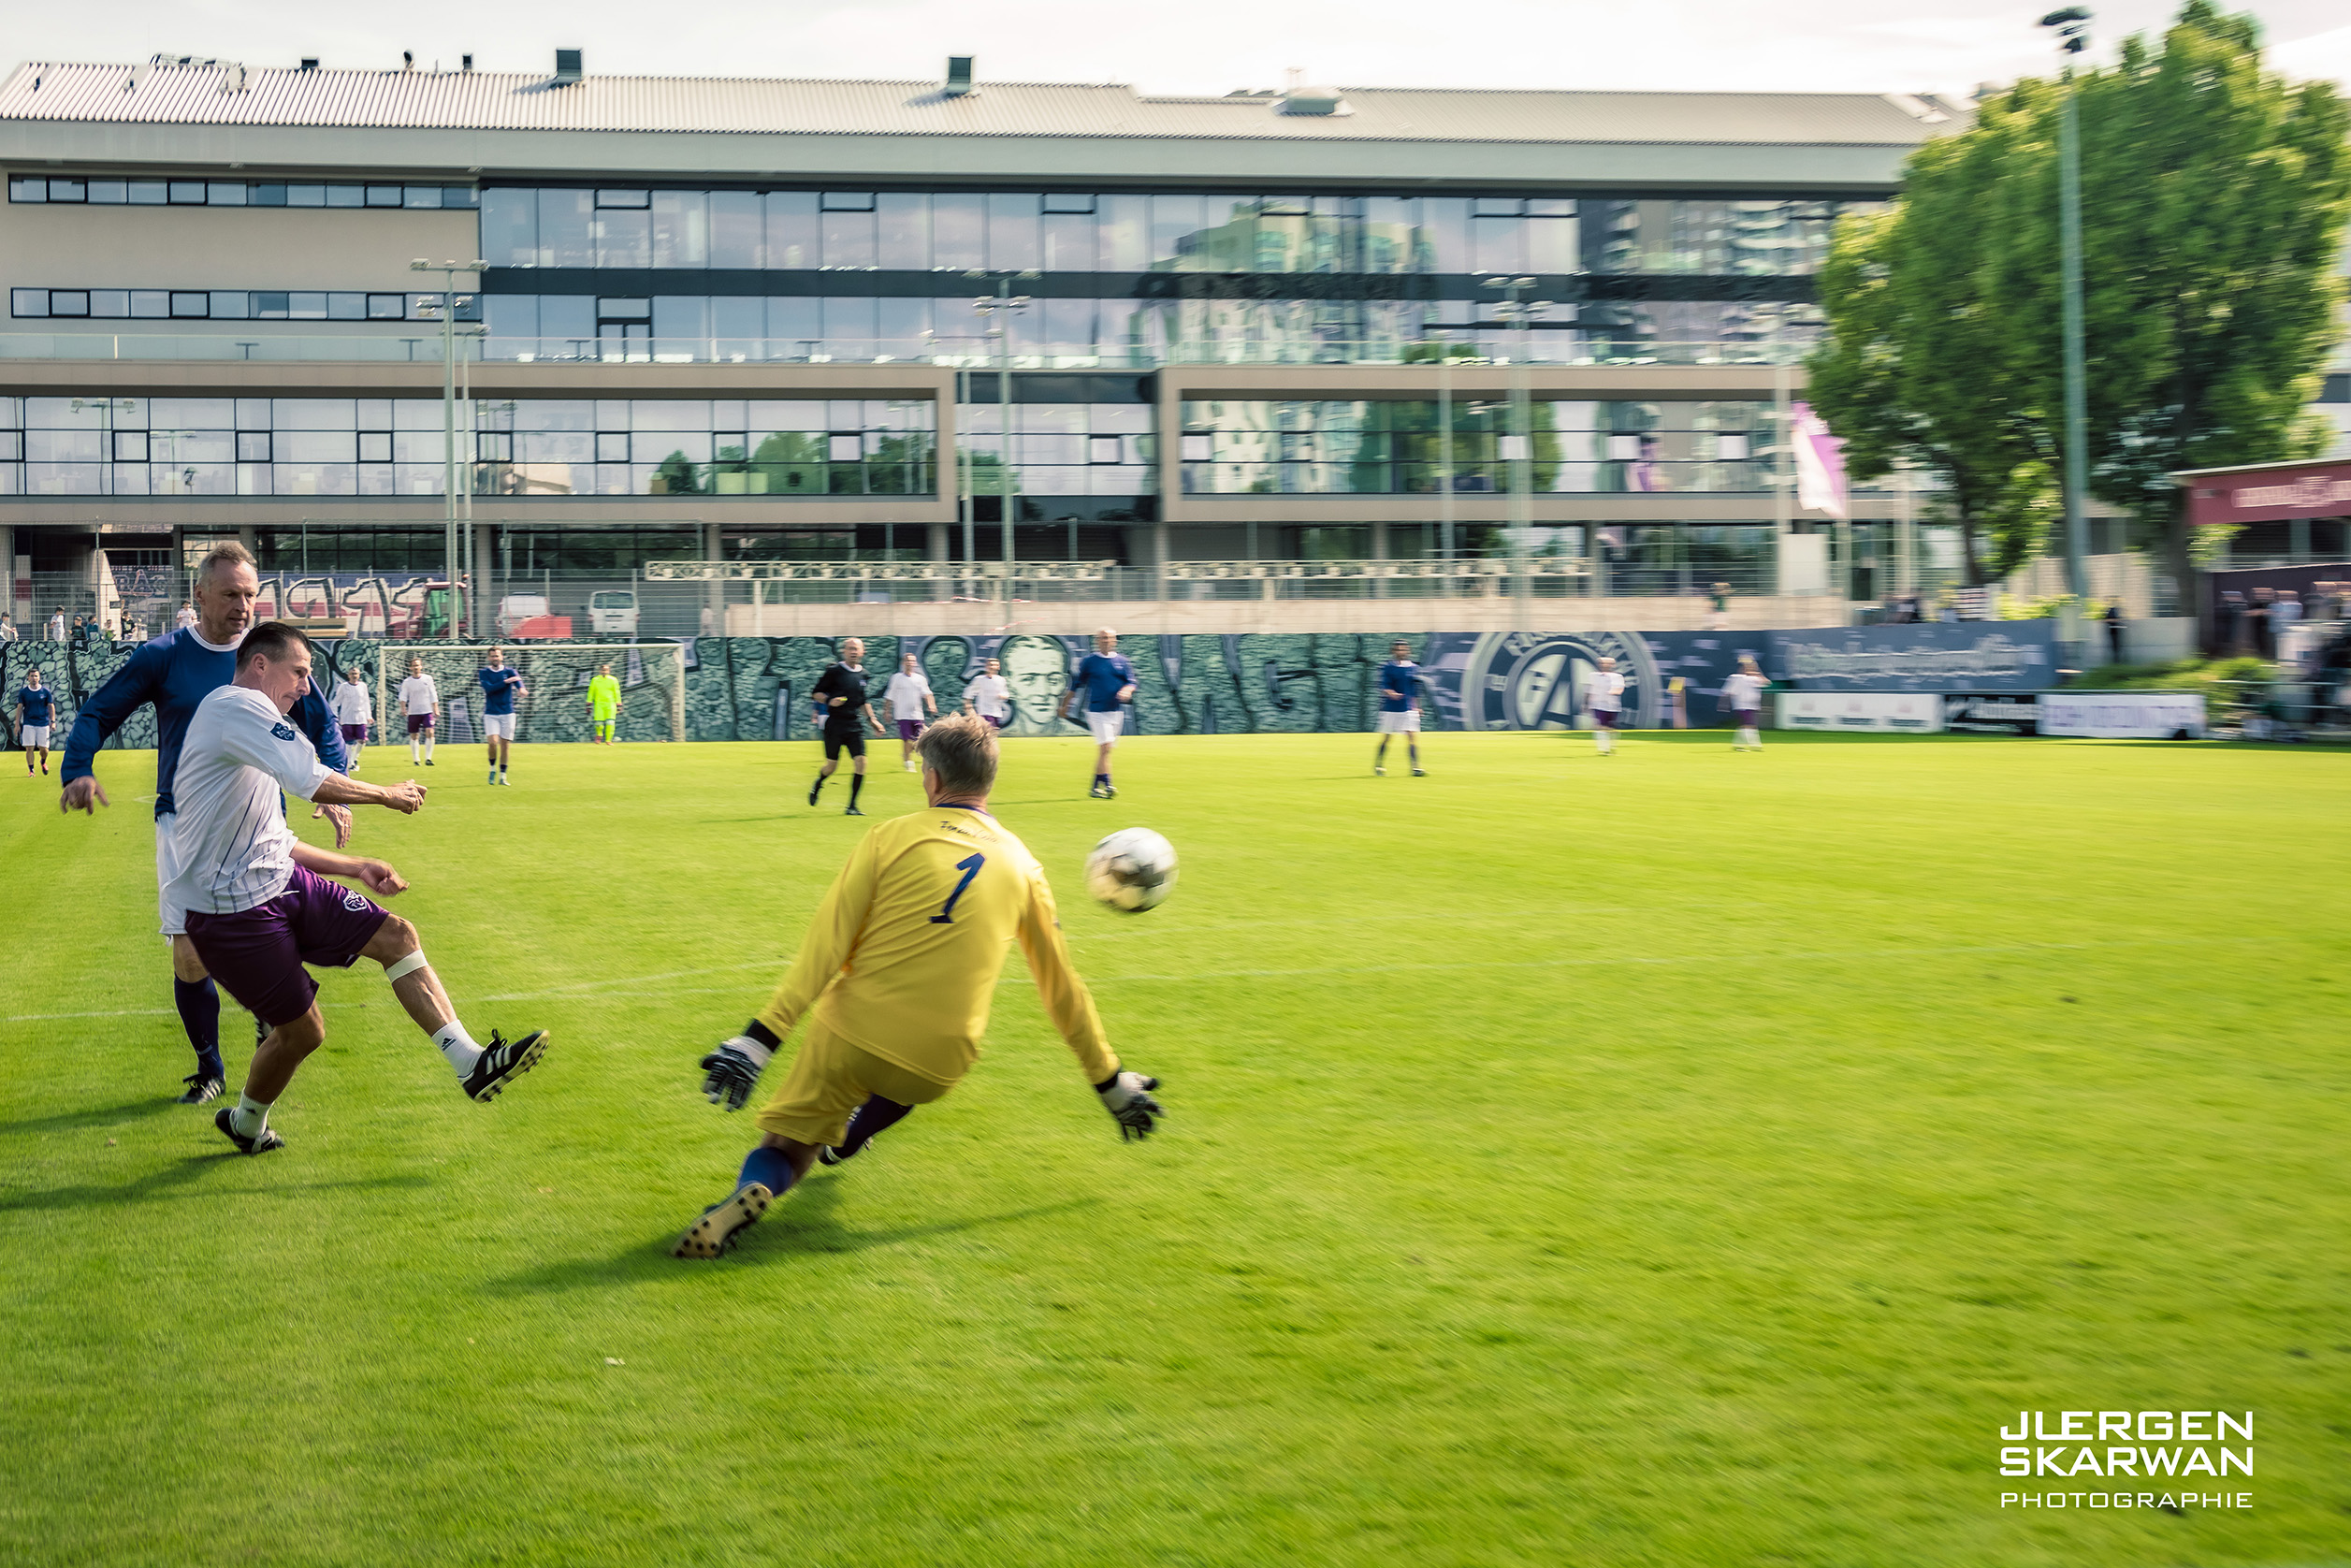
x,y
1399,683
35,710
1108,680
500,686
176,672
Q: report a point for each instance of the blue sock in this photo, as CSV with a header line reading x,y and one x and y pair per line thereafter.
x,y
877,1115
768,1168
1101,778
200,1005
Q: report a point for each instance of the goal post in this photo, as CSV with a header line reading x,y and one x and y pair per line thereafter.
x,y
554,703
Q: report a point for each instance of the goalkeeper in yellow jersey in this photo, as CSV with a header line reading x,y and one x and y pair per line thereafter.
x,y
895,976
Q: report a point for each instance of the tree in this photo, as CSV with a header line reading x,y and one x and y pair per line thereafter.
x,y
2214,200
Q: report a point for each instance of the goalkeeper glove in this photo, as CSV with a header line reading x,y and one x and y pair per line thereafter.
x,y
730,1072
1126,1095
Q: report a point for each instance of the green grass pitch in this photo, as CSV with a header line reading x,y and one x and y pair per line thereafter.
x,y
1675,1158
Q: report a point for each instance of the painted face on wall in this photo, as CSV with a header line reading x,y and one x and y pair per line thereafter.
x,y
1037,670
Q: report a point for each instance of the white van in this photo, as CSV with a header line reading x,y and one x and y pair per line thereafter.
x,y
613,612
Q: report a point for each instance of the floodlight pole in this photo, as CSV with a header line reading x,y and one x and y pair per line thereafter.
x,y
2073,34
452,530
1520,311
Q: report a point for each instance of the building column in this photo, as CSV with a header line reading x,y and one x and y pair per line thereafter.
x,y
1379,552
481,611
13,600
714,598
936,547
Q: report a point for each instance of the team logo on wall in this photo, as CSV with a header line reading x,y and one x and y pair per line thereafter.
x,y
1535,680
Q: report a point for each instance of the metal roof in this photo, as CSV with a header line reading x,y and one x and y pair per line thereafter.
x,y
225,94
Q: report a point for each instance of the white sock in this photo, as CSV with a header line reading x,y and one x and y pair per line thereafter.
x,y
457,1046
250,1116
1749,737
428,748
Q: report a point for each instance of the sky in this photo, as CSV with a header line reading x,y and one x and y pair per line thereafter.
x,y
1197,46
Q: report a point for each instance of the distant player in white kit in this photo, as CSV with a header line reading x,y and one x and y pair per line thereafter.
x,y
1603,694
911,703
353,713
990,695
420,704
1743,694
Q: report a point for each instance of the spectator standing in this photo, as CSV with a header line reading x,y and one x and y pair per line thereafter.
x,y
1719,607
57,626
7,629
2115,630
2228,619
2257,624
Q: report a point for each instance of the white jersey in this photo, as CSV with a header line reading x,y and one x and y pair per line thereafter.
x,y
231,848
350,704
990,696
185,617
1744,693
418,695
1604,691
905,693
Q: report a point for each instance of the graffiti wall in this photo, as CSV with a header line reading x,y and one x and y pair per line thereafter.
x,y
757,687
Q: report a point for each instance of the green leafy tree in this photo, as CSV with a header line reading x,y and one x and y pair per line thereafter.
x,y
2215,195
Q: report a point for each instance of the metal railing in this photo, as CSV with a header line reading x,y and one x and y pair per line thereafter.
x,y
1469,351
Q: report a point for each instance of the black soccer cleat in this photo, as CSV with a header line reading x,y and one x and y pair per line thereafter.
x,y
815,789
724,1222
833,1155
501,1063
851,811
200,1089
260,1143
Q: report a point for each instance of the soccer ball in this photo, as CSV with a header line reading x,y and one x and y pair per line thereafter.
x,y
1132,870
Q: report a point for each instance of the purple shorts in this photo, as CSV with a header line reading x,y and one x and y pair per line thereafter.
x,y
909,728
258,954
995,719
417,722
1603,718
1747,718
354,734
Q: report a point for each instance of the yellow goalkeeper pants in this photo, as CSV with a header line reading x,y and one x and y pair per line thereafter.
x,y
830,1079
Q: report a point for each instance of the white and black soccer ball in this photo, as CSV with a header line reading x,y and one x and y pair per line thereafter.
x,y
1132,870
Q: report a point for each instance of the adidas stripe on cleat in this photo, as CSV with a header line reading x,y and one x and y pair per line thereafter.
x,y
200,1089
502,1061
723,1222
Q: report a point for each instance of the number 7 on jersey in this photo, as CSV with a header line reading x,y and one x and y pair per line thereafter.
x,y
969,866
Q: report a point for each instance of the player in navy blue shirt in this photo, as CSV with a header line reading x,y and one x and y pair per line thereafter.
x,y
36,711
1107,681
500,686
1398,685
176,672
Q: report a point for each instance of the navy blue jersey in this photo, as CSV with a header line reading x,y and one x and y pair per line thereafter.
x,y
1400,686
498,688
1103,675
176,672
41,705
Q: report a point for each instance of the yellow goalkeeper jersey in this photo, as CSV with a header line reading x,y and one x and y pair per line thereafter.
x,y
905,953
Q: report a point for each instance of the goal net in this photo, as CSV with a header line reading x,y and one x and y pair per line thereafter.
x,y
553,706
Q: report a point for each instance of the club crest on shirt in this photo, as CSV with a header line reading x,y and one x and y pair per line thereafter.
x,y
353,900
283,731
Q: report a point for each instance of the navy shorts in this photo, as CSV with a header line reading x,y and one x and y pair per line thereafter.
x,y
258,954
839,738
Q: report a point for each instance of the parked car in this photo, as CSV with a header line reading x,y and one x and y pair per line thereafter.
x,y
613,613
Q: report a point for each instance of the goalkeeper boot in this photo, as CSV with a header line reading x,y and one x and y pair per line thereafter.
x,y
200,1089
724,1222
259,1144
502,1061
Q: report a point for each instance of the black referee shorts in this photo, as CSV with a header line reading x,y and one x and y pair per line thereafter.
x,y
840,737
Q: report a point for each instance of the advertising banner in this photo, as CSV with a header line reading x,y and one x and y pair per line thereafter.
x,y
2123,714
1992,712
1910,713
2001,656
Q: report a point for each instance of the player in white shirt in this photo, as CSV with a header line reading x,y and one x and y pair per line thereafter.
x,y
1603,694
1743,694
420,702
911,700
184,619
990,695
353,712
256,907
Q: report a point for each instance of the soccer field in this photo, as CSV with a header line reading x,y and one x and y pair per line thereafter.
x,y
1675,1158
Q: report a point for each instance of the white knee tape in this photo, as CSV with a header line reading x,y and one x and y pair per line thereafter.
x,y
408,965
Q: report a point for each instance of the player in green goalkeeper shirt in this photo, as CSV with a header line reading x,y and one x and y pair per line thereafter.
x,y
603,706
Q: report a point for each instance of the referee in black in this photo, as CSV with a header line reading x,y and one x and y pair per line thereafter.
x,y
843,713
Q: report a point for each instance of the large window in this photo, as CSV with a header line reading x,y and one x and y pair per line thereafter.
x,y
187,304
1397,447
1112,232
393,446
